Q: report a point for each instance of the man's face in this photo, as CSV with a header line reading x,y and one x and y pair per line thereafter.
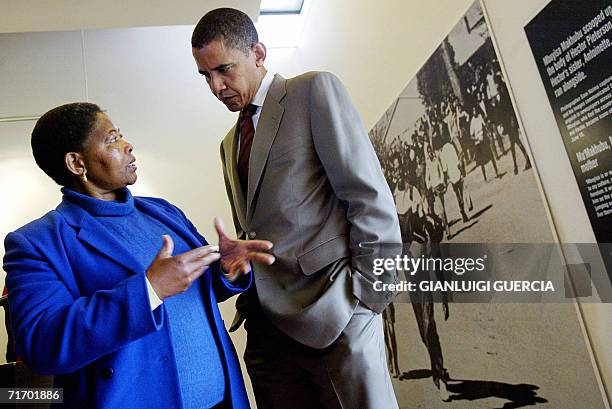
x,y
232,75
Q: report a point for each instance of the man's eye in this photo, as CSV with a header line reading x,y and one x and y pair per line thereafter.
x,y
225,69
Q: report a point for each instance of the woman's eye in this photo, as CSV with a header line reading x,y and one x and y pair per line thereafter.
x,y
114,137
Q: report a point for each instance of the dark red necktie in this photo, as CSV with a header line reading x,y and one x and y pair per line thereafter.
x,y
247,132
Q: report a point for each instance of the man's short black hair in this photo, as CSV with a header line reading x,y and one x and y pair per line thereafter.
x,y
61,130
236,28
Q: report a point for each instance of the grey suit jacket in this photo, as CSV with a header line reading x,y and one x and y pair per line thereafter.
x,y
316,190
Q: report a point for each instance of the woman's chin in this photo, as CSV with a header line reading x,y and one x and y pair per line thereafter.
x,y
132,179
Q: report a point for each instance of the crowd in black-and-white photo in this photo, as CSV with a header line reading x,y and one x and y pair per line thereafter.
x,y
453,137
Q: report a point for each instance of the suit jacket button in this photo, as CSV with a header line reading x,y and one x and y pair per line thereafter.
x,y
107,373
252,235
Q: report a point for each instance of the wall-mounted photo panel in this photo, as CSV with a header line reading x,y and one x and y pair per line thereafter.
x,y
454,155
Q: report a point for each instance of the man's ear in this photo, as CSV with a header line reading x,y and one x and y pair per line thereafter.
x,y
74,163
259,49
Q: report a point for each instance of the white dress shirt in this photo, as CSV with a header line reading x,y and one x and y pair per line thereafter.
x,y
258,100
260,96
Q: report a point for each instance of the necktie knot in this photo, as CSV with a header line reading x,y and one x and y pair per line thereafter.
x,y
248,112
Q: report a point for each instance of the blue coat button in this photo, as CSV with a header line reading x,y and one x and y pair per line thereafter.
x,y
107,373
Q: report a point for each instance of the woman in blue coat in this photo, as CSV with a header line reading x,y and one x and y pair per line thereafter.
x,y
95,302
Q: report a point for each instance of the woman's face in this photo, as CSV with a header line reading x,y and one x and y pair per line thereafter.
x,y
108,159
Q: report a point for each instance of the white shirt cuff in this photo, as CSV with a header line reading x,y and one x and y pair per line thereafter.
x,y
153,298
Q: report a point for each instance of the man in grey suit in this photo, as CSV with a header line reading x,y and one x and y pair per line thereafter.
x,y
301,172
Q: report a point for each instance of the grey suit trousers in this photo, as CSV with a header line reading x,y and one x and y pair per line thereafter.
x,y
351,373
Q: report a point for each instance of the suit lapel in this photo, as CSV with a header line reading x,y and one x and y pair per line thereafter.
x,y
230,149
267,128
97,236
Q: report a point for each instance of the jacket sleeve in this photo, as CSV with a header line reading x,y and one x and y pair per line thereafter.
x,y
58,333
352,167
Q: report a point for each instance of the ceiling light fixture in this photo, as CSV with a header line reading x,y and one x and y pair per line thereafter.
x,y
281,7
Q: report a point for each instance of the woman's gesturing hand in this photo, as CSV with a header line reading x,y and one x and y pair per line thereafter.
x,y
236,254
170,275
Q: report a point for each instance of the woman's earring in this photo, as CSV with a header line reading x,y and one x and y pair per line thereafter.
x,y
84,177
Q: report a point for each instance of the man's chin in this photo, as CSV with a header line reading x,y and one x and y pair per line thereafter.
x,y
233,107
232,104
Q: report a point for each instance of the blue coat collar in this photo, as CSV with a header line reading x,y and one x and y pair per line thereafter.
x,y
90,231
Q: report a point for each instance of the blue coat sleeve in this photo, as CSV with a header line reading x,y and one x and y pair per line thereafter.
x,y
58,333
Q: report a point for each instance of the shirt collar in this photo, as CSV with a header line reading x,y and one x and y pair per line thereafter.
x,y
266,82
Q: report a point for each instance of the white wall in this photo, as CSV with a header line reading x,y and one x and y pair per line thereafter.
x,y
147,80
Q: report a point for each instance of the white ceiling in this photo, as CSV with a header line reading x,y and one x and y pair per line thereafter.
x,y
63,15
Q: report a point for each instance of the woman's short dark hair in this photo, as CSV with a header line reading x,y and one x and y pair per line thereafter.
x,y
61,130
236,28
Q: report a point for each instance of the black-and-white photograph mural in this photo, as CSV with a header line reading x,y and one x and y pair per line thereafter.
x,y
456,159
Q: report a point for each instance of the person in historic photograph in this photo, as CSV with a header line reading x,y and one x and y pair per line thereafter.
x,y
391,340
509,123
451,165
480,133
301,172
436,185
